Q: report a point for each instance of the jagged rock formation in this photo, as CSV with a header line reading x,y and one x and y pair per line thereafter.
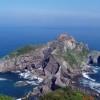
x,y
94,58
56,63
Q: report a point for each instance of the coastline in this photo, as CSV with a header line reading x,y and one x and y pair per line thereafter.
x,y
44,63
85,89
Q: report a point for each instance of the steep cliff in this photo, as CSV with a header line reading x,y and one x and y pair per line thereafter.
x,y
56,62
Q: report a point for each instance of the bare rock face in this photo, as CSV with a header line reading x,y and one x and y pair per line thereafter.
x,y
47,63
29,60
51,67
98,60
69,41
94,58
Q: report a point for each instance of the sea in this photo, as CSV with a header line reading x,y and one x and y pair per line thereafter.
x,y
13,38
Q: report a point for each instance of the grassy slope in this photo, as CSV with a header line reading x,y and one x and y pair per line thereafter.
x,y
74,57
3,97
23,50
66,94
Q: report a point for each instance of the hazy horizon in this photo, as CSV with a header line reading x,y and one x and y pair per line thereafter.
x,y
49,13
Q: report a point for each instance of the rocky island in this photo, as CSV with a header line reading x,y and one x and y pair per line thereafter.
x,y
52,66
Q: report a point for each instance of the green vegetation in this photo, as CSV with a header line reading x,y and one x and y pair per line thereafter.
x,y
23,50
3,97
75,57
70,57
65,94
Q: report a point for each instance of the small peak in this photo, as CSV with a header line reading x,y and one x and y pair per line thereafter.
x,y
66,37
62,36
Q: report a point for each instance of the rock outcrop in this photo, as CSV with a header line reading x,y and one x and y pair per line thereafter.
x,y
56,63
94,58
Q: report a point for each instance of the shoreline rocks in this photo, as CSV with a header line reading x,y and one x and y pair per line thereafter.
x,y
54,65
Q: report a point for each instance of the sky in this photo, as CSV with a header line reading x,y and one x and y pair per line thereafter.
x,y
49,13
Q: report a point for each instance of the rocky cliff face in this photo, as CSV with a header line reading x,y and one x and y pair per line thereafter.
x,y
56,62
94,58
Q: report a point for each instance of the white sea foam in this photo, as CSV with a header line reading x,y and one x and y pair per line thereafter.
x,y
37,82
32,83
15,71
92,84
96,69
40,80
33,80
19,99
3,79
89,82
85,75
24,74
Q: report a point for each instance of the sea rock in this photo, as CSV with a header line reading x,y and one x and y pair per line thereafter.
x,y
52,66
21,83
49,64
94,58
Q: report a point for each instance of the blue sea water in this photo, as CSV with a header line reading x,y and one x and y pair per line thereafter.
x,y
13,38
7,87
